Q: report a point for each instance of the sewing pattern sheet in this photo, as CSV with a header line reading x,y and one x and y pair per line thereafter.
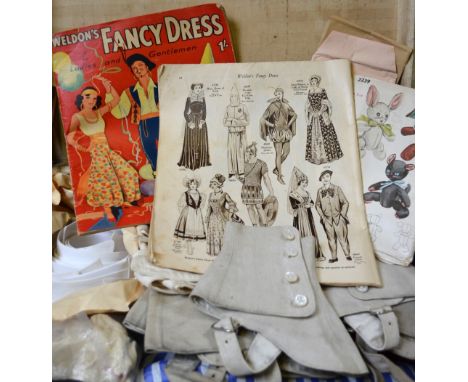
x,y
260,144
386,129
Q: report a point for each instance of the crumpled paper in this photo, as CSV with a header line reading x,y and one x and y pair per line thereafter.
x,y
96,349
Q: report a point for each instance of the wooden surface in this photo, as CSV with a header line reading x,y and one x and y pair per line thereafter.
x,y
262,30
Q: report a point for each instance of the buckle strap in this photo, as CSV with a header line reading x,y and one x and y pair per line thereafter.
x,y
231,327
391,331
259,357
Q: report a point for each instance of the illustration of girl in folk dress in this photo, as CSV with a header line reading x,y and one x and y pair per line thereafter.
x,y
322,142
195,153
190,225
110,181
221,209
300,206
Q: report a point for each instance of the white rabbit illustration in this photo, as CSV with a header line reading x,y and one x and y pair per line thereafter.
x,y
404,236
372,128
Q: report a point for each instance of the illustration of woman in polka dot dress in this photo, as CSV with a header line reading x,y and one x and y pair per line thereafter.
x,y
322,142
110,181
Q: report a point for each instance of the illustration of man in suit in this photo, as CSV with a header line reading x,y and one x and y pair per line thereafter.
x,y
141,102
332,206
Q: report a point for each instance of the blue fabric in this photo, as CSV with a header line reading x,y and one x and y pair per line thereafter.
x,y
156,372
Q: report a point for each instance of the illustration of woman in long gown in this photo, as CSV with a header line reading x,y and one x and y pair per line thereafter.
x,y
110,181
190,225
221,209
300,206
322,142
195,152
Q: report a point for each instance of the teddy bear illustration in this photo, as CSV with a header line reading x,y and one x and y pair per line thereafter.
x,y
393,193
372,127
404,236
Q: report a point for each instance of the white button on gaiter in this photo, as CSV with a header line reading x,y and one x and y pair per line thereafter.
x,y
300,300
291,277
288,234
362,288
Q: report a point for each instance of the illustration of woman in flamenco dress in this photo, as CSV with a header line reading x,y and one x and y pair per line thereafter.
x,y
110,181
195,153
322,142
221,209
190,225
300,206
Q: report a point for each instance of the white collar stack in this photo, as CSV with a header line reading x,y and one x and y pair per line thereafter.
x,y
87,261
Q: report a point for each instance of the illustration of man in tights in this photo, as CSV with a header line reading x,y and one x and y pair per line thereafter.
x,y
278,122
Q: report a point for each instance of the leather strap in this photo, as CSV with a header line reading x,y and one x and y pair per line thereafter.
x,y
391,331
259,357
378,363
272,374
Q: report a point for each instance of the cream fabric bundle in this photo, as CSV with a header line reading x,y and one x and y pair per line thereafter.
x,y
162,279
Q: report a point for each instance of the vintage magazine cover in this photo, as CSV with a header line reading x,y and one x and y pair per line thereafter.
x,y
260,144
386,129
106,78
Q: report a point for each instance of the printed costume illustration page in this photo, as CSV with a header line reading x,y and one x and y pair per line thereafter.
x,y
386,130
260,144
106,80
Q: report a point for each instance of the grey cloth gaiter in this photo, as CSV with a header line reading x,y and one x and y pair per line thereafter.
x,y
379,315
264,280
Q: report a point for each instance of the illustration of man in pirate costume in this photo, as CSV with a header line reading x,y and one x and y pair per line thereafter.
x,y
332,206
252,193
236,119
279,124
141,103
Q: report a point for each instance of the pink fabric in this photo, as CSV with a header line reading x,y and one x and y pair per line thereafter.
x,y
369,58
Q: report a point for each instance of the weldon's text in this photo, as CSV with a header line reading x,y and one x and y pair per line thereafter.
x,y
170,31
